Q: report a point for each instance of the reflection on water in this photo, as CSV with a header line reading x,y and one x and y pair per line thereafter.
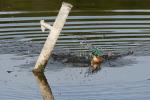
x,y
44,86
109,32
113,32
110,29
70,83
114,25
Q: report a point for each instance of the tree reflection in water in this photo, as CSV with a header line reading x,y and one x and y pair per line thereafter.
x,y
44,86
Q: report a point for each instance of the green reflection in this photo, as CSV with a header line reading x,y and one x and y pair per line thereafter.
x,y
43,5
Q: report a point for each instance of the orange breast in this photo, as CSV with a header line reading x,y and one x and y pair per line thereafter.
x,y
97,59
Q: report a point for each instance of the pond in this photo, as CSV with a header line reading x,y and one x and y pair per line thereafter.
x,y
112,25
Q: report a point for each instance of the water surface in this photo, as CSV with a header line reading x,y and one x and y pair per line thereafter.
x,y
113,25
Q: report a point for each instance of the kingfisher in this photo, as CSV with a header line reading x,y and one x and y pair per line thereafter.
x,y
96,59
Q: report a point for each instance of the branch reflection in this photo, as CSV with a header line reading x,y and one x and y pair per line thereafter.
x,y
44,86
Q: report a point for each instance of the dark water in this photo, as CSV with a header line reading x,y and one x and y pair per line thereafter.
x,y
112,25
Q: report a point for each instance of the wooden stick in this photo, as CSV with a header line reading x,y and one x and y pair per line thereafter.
x,y
52,37
45,25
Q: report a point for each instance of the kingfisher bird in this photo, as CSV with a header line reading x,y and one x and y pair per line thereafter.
x,y
96,59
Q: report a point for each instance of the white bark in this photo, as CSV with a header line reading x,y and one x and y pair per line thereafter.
x,y
52,37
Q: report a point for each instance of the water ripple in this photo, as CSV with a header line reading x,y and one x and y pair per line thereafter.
x,y
123,31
